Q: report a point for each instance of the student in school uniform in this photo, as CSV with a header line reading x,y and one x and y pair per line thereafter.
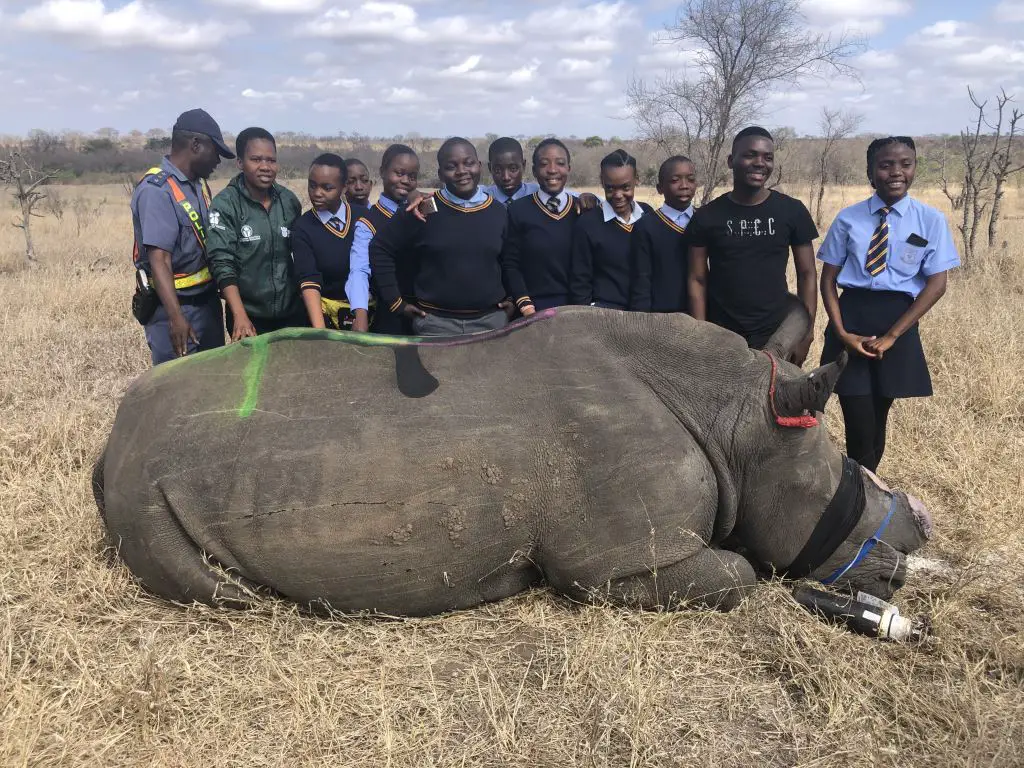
x,y
740,244
399,174
659,261
249,242
506,163
358,183
890,254
322,240
599,272
457,251
538,250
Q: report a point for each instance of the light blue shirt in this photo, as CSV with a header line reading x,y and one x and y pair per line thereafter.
x,y
479,197
680,218
326,216
527,189
562,198
609,213
357,287
908,266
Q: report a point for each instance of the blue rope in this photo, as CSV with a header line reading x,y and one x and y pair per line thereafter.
x,y
866,547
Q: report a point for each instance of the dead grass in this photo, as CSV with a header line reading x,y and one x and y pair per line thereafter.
x,y
94,672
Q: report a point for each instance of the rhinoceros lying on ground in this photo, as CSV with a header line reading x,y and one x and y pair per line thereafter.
x,y
608,454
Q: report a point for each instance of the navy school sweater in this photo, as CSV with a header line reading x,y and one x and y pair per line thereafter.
x,y
456,254
600,258
321,254
538,252
659,266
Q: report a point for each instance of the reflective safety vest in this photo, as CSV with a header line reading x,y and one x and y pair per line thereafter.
x,y
203,276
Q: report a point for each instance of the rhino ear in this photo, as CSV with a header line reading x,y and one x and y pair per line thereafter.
x,y
794,329
796,394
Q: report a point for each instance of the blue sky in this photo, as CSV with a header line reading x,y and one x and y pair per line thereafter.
x,y
389,67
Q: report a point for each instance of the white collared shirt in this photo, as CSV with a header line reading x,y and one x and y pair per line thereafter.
x,y
479,196
609,213
562,198
680,218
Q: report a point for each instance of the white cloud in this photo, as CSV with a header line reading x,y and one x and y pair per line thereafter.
x,y
316,58
403,96
529,104
460,69
993,57
249,93
131,25
878,60
855,9
274,6
1010,11
398,22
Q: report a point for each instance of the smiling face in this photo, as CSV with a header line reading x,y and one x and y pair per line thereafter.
x,y
752,162
460,170
619,187
325,186
400,177
552,169
892,172
679,185
259,164
358,186
507,171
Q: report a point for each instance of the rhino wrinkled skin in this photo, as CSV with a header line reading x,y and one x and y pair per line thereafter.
x,y
605,454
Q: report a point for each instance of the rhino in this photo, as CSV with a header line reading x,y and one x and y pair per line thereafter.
x,y
643,460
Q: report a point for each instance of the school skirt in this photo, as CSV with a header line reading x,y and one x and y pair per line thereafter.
x,y
902,371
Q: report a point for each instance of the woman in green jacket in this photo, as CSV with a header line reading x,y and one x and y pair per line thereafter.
x,y
249,242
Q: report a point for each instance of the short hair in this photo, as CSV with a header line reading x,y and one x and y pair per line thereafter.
x,y
620,158
181,139
876,146
667,165
450,144
551,143
393,151
753,130
354,161
504,144
332,160
252,134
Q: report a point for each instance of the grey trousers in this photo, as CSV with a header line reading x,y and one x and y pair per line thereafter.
x,y
435,325
206,317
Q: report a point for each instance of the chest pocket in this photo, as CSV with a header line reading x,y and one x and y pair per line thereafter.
x,y
909,257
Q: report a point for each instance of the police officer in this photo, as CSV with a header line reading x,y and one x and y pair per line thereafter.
x,y
170,209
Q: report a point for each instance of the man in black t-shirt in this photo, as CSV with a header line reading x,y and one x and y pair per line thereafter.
x,y
740,244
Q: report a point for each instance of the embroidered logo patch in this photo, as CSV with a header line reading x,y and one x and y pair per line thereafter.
x,y
215,220
247,234
285,232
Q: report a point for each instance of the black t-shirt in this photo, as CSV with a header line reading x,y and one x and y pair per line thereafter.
x,y
748,250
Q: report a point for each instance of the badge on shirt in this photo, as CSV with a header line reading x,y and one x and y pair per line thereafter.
x,y
285,232
247,235
215,220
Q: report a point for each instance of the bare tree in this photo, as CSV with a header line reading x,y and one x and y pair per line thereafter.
x,y
989,161
17,172
740,50
835,125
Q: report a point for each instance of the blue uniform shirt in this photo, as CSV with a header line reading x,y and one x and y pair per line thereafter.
x,y
908,267
159,222
357,287
677,217
527,189
479,197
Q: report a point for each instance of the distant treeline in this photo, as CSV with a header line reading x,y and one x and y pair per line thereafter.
x,y
107,157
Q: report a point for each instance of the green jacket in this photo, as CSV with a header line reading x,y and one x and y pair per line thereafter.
x,y
250,247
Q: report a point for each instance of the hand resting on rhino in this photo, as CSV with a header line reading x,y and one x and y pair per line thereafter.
x,y
605,454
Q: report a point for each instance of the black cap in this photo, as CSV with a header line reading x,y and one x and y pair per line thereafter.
x,y
199,121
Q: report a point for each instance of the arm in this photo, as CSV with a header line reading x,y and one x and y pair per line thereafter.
x,y
357,287
581,269
307,274
390,244
640,271
934,289
697,283
830,298
807,291
515,283
163,282
221,250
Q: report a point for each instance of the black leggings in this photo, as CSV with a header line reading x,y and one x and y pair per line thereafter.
x,y
865,417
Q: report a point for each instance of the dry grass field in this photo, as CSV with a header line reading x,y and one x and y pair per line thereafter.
x,y
95,672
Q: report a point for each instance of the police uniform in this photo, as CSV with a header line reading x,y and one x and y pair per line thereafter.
x,y
170,212
885,256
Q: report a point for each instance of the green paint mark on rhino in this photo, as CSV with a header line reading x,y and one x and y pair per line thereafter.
x,y
253,374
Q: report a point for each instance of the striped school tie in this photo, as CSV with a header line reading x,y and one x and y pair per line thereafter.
x,y
553,205
335,222
878,249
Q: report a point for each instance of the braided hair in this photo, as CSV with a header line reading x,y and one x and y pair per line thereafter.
x,y
620,158
876,146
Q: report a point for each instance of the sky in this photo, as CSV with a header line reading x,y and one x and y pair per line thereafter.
x,y
441,67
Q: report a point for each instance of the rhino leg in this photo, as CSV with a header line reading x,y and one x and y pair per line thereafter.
x,y
715,578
